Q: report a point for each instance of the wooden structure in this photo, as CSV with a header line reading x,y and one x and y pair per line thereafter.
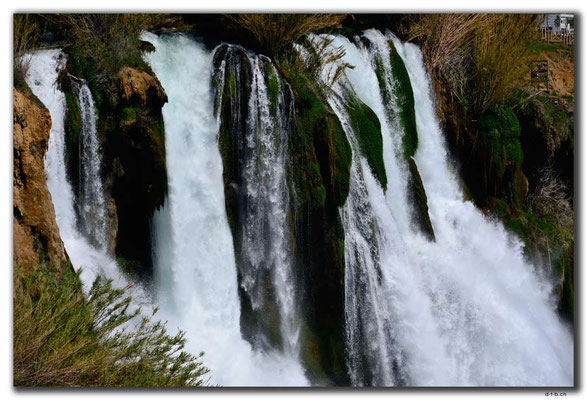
x,y
540,74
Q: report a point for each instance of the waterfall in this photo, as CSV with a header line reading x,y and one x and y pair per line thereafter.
x,y
196,274
465,310
267,231
92,205
86,247
257,122
461,307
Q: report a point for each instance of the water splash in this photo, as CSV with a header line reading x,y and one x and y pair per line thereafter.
x,y
195,262
466,310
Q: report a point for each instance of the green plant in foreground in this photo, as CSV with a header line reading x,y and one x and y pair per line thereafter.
x,y
62,338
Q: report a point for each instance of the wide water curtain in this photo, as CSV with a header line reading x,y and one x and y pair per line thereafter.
x,y
436,294
431,291
219,290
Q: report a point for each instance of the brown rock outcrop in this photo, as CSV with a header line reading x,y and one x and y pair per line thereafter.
x,y
34,225
136,84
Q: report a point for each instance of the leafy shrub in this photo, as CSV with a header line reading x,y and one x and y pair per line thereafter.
x,y
100,44
63,339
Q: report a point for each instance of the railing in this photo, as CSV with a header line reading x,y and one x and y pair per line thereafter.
x,y
557,36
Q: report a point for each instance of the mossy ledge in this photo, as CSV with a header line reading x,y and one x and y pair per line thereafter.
x,y
367,128
419,201
405,97
322,160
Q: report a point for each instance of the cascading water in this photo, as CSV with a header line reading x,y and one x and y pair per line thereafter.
x,y
87,248
467,309
261,119
194,258
92,205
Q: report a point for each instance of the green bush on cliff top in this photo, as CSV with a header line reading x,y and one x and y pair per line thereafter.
x,y
63,339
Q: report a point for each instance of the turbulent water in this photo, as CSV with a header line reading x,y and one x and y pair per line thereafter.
x,y
467,309
195,263
86,247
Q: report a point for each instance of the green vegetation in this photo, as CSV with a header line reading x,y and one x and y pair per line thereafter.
x,y
544,236
273,89
73,132
499,133
539,46
549,120
367,127
402,93
419,201
64,339
319,137
129,115
322,159
99,45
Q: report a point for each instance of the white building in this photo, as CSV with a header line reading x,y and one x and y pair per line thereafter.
x,y
558,22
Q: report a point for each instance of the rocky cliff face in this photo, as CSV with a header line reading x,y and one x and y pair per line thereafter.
x,y
133,138
130,130
36,235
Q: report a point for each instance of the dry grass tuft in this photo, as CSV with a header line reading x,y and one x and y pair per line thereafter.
x,y
25,37
277,32
482,57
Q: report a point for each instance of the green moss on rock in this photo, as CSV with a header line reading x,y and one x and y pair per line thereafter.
x,y
405,97
322,158
273,89
419,201
499,135
73,132
367,129
319,138
129,115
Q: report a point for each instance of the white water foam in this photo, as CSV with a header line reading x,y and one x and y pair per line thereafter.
x,y
467,309
196,279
